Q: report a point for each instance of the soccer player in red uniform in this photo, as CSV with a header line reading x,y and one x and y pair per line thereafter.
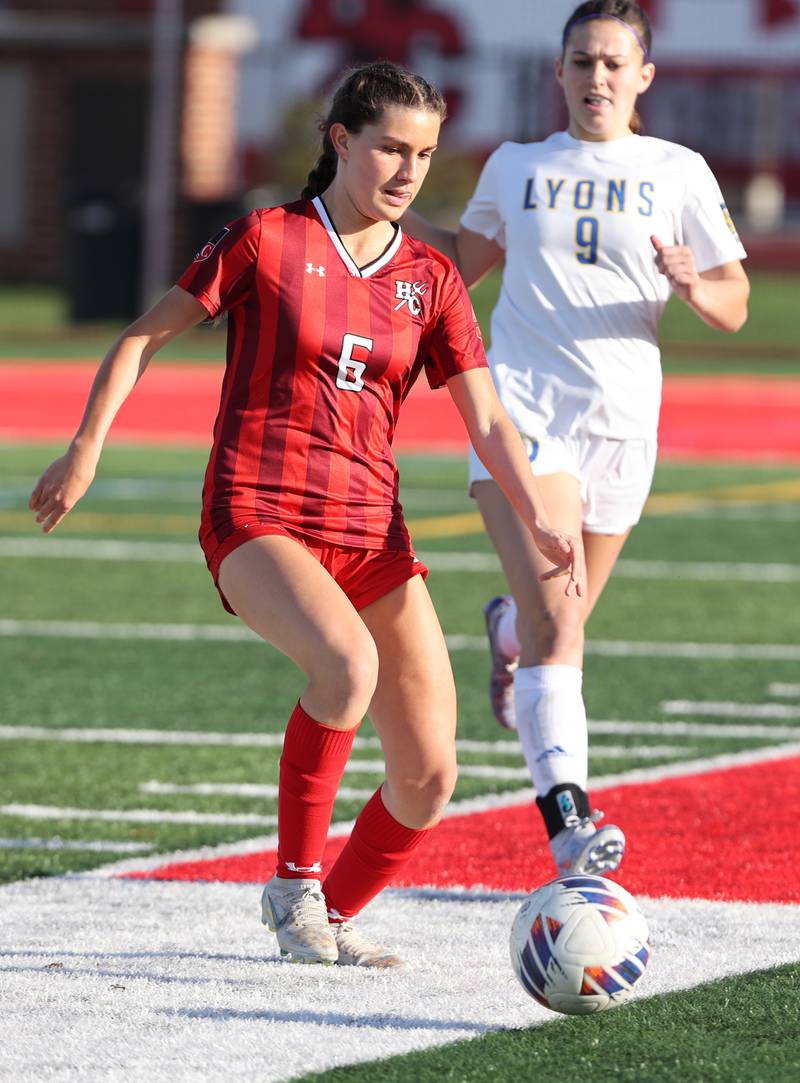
x,y
333,313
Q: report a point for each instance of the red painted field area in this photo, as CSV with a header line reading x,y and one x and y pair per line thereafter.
x,y
721,417
707,836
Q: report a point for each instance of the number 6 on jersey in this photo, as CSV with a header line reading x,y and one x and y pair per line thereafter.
x,y
350,370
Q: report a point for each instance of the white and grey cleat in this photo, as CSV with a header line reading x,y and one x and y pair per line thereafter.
x,y
582,847
295,911
501,675
358,950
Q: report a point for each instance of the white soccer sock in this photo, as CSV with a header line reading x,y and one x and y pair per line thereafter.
x,y
551,722
506,632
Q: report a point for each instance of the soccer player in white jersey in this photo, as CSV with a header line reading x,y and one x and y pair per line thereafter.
x,y
598,225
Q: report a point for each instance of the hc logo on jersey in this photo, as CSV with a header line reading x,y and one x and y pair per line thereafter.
x,y
409,293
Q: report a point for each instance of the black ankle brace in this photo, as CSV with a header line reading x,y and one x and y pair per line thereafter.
x,y
561,806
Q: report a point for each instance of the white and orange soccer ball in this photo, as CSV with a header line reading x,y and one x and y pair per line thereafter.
x,y
579,944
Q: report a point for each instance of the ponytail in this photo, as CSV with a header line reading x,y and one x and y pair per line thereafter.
x,y
360,100
321,176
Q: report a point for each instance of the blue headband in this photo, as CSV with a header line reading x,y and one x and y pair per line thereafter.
x,y
614,18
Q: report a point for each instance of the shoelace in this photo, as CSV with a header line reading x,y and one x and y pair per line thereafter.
x,y
305,907
595,816
354,941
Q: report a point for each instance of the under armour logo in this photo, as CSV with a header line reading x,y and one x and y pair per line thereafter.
x,y
316,867
311,269
409,293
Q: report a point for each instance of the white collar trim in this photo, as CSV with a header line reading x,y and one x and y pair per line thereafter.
x,y
370,268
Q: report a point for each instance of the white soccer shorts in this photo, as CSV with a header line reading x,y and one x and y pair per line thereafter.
x,y
615,475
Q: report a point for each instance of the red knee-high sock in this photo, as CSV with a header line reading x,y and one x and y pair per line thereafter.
x,y
311,768
376,852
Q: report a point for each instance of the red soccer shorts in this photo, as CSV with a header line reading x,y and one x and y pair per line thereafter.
x,y
365,575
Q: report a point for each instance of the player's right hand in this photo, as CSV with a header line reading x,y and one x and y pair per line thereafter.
x,y
566,553
60,488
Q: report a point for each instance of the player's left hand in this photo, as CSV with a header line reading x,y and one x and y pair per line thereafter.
x,y
676,261
566,553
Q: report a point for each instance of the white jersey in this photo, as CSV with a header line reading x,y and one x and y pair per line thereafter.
x,y
574,338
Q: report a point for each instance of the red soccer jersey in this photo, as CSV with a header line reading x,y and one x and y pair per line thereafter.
x,y
321,353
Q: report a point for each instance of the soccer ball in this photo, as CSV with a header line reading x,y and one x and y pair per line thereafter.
x,y
579,944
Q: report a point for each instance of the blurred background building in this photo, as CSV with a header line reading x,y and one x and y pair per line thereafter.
x,y
133,129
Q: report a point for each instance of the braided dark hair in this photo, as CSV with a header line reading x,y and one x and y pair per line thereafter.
x,y
624,11
360,100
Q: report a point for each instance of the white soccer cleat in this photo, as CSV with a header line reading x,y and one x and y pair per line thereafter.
x,y
295,911
501,677
358,950
583,848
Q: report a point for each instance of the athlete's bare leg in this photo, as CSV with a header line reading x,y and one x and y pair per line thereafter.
x,y
283,593
549,624
547,686
414,711
414,705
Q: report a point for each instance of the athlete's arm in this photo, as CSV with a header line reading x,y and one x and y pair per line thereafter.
x,y
473,254
66,480
718,295
502,452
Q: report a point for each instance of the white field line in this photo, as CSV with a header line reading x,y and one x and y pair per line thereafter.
x,y
74,735
120,735
87,629
238,633
95,846
485,803
76,549
472,770
182,552
698,729
781,688
258,790
753,652
135,816
171,489
705,570
493,771
239,789
730,709
174,999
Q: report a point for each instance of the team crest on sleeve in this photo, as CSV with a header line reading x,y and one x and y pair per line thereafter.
x,y
209,246
409,293
726,214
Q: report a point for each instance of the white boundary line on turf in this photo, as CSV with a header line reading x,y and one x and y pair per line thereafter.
x,y
239,789
92,549
136,816
487,803
509,747
730,708
184,552
782,688
93,845
238,633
